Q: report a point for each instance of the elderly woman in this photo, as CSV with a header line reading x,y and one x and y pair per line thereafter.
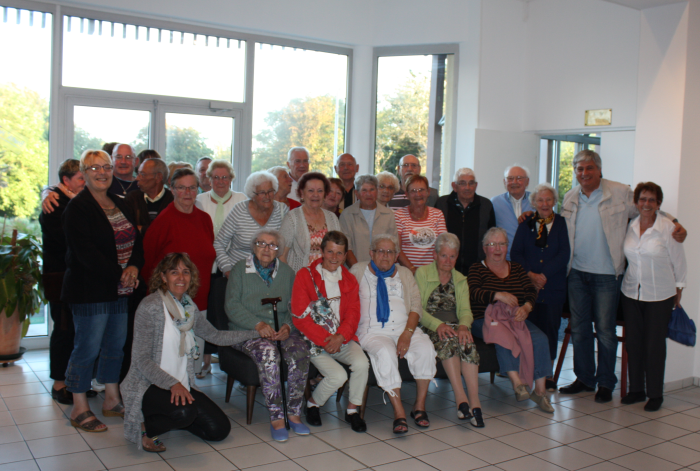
x,y
418,225
260,276
103,259
261,211
388,185
335,196
504,287
447,318
159,391
651,288
182,227
326,307
285,186
71,183
217,203
390,309
303,228
541,247
360,222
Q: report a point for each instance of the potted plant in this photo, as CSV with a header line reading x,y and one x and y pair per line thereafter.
x,y
21,287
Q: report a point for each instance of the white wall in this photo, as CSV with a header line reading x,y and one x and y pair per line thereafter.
x,y
617,153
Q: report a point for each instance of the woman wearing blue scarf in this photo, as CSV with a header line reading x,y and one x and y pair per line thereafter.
x,y
390,310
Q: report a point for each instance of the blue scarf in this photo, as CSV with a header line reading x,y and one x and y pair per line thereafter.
x,y
265,272
383,308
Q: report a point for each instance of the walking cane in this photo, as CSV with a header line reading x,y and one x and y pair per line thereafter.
x,y
283,379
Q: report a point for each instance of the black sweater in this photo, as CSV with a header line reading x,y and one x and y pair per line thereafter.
x,y
93,273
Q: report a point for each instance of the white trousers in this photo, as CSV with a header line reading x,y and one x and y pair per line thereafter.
x,y
385,362
334,375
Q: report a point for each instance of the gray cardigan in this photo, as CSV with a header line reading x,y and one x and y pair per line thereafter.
x,y
295,232
146,352
355,227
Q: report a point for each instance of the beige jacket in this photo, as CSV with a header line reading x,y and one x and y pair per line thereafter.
x,y
355,227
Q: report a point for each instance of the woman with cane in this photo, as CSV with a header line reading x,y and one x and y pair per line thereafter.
x,y
263,278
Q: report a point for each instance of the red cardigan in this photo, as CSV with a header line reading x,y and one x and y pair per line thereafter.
x,y
304,293
175,231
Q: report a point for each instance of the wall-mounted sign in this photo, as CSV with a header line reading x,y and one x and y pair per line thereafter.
x,y
598,117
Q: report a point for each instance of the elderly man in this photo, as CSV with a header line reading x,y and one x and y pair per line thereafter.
x,y
201,169
125,162
298,163
346,167
390,309
596,214
153,198
468,216
515,201
409,165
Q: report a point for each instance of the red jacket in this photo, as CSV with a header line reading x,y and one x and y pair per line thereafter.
x,y
304,293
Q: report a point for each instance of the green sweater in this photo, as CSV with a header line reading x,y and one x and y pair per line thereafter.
x,y
244,291
428,279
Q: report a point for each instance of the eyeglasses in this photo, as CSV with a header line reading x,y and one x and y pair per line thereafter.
x,y
387,187
124,157
224,178
184,189
519,178
264,193
96,168
298,161
383,252
496,244
417,191
264,245
144,174
462,183
410,165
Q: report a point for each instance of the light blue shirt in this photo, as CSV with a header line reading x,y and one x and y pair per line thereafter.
x,y
505,214
369,217
591,250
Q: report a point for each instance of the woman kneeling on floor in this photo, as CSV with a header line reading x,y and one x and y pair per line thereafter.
x,y
159,390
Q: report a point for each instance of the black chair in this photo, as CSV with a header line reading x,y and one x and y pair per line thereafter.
x,y
236,364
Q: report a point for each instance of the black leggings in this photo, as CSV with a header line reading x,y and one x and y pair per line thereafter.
x,y
202,418
61,343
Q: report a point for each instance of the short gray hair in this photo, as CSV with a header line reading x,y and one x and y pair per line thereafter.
x,y
494,231
295,149
258,178
381,176
543,187
362,179
587,155
345,153
221,163
390,237
277,169
464,171
508,169
447,239
274,233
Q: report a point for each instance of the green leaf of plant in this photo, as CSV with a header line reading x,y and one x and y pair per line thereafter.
x,y
25,327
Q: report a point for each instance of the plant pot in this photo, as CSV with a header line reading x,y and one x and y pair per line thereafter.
x,y
10,333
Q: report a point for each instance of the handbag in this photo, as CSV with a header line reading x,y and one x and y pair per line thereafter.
x,y
322,314
681,328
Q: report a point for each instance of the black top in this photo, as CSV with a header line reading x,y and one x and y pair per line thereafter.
x,y
144,213
122,187
93,273
54,241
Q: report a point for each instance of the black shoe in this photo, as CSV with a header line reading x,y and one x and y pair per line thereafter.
x,y
633,398
463,411
91,393
356,422
575,388
313,416
63,396
477,418
550,385
654,404
603,395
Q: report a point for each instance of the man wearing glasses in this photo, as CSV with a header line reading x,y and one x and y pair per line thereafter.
x,y
125,162
153,198
298,163
515,201
409,165
468,216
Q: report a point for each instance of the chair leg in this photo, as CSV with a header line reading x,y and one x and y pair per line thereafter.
x,y
339,394
562,354
250,403
229,386
364,402
493,376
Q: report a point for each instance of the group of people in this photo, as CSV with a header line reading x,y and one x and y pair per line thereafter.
x,y
365,271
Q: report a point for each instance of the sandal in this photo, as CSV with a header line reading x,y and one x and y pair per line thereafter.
x,y
463,411
90,426
400,423
153,445
116,411
420,416
205,371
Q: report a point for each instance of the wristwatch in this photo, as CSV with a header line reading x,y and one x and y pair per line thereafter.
x,y
410,330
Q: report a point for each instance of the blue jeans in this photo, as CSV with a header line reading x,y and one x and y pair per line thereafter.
x,y
101,330
506,360
593,299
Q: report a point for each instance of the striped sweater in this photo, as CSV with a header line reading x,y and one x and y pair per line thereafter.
x,y
484,284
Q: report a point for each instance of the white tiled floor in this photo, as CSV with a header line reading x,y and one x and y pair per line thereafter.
x,y
35,434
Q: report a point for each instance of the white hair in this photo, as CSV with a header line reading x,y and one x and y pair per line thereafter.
x,y
362,179
463,171
258,178
220,163
508,169
382,176
492,232
276,170
543,187
274,233
390,237
447,239
295,149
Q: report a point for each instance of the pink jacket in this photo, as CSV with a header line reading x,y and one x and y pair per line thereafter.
x,y
501,328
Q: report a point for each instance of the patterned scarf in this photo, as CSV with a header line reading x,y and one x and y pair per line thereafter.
x,y
183,315
219,215
541,240
383,309
266,273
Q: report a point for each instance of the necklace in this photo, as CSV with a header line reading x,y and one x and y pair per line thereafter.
x,y
125,190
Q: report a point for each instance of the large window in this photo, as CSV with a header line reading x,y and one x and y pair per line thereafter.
x,y
560,158
94,126
299,100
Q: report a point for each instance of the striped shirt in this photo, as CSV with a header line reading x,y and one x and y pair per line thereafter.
x,y
124,237
418,237
484,284
232,243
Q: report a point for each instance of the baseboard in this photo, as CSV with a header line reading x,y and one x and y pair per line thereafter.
x,y
681,383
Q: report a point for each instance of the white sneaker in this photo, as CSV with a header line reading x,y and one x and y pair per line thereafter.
x,y
99,387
